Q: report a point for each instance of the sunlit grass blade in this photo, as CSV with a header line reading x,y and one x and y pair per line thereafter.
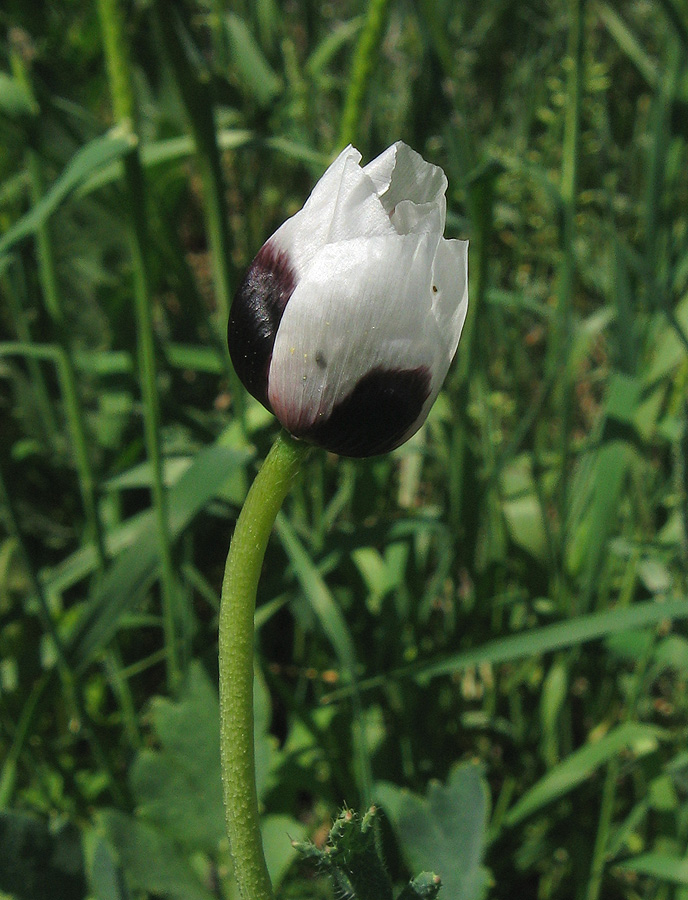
x,y
135,567
334,626
124,104
662,866
636,737
629,43
362,68
198,104
95,156
571,633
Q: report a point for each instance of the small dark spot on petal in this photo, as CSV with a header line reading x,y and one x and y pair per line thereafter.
x,y
434,288
375,416
320,360
255,316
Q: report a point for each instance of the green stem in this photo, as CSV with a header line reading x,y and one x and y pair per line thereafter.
x,y
606,818
8,773
198,102
121,87
559,347
603,830
117,60
481,195
239,587
365,56
196,96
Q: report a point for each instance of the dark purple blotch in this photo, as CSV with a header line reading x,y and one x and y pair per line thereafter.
x,y
375,416
255,317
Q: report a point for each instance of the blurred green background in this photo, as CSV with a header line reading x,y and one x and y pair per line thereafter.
x,y
484,631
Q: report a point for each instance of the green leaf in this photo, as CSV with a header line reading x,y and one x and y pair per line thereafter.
x,y
15,100
332,43
255,74
178,788
580,765
563,634
94,156
673,869
335,627
104,363
168,150
552,700
136,567
629,44
667,351
141,475
600,482
522,509
38,861
277,833
105,877
150,859
195,358
569,633
445,831
319,597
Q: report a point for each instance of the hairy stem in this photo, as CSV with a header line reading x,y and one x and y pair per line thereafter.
x,y
239,587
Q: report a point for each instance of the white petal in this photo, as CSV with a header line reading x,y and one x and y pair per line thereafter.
x,y
380,169
402,174
358,211
450,306
364,304
415,218
304,233
343,204
450,277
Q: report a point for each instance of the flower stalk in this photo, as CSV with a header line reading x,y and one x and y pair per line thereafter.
x,y
236,633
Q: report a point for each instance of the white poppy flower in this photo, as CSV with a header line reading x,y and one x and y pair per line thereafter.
x,y
350,315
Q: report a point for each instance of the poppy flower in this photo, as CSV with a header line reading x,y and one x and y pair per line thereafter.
x,y
349,316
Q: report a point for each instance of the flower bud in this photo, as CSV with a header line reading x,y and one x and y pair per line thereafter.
x,y
349,316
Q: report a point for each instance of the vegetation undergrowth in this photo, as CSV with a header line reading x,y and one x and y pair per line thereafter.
x,y
487,628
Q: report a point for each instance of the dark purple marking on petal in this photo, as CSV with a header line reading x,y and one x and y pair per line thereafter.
x,y
255,317
375,416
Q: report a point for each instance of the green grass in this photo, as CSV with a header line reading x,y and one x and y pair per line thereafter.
x,y
507,591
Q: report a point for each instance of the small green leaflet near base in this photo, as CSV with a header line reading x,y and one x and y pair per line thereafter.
x,y
445,830
351,859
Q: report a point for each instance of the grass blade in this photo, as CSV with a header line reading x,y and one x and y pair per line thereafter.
x,y
97,154
136,567
334,625
635,736
571,633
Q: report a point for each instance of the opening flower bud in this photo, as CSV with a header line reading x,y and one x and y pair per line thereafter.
x,y
347,320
